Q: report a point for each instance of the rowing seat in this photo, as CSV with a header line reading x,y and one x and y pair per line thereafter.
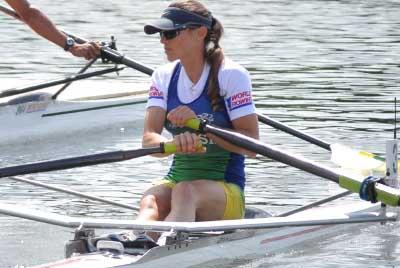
x,y
40,96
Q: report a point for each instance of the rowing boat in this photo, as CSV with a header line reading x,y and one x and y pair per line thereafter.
x,y
27,118
33,116
213,243
205,243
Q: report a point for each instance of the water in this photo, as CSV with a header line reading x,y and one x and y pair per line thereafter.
x,y
329,68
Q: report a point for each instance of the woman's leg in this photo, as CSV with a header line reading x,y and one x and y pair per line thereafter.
x,y
156,203
199,200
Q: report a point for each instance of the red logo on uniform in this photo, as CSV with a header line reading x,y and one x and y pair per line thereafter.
x,y
154,93
239,100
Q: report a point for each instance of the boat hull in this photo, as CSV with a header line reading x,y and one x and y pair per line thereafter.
x,y
29,121
211,251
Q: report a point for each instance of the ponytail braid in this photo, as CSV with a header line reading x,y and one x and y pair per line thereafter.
x,y
214,56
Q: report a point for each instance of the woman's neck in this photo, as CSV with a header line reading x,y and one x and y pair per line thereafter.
x,y
193,67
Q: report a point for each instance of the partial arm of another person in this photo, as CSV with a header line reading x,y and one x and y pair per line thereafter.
x,y
43,26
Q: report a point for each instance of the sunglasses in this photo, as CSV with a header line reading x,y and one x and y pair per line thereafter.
x,y
168,35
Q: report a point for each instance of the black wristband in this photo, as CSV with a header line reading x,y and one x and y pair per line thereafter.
x,y
162,147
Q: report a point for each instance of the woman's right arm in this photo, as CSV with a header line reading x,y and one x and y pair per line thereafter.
x,y
153,126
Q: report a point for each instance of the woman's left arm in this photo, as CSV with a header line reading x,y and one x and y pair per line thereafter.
x,y
246,125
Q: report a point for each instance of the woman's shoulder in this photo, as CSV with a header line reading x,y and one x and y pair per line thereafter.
x,y
229,67
163,73
167,68
232,77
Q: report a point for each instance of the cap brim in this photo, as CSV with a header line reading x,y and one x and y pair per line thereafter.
x,y
162,24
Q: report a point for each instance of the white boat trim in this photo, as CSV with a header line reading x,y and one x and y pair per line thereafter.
x,y
301,219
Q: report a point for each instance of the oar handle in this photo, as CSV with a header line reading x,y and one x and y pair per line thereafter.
x,y
170,147
195,124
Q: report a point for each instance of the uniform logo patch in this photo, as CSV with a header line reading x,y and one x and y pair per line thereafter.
x,y
239,100
154,93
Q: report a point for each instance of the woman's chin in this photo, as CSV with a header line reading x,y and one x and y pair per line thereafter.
x,y
170,57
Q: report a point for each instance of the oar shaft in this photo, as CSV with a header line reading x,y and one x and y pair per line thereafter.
x,y
12,92
71,192
384,193
79,161
299,134
273,153
314,204
81,71
119,58
10,12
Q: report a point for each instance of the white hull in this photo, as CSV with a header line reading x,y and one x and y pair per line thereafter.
x,y
222,249
33,120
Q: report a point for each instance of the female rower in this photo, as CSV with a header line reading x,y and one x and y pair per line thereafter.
x,y
199,82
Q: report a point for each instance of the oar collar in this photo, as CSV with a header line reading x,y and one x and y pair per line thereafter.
x,y
177,19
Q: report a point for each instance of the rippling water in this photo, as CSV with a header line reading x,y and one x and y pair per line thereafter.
x,y
326,67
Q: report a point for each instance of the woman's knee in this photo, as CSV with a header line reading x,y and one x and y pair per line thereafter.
x,y
148,201
184,189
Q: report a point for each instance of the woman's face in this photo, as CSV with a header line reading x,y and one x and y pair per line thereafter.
x,y
187,43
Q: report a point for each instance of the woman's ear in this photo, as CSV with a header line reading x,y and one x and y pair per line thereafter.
x,y
201,32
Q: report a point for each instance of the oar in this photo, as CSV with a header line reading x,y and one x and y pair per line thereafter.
x,y
87,160
384,193
81,71
71,192
17,91
285,128
341,155
106,52
10,12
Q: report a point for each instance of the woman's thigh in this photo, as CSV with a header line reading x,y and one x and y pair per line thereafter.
x,y
210,200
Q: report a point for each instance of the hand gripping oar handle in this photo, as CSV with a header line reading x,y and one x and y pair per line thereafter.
x,y
87,160
384,193
116,57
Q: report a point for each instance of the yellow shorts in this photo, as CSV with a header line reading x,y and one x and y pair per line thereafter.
x,y
234,208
